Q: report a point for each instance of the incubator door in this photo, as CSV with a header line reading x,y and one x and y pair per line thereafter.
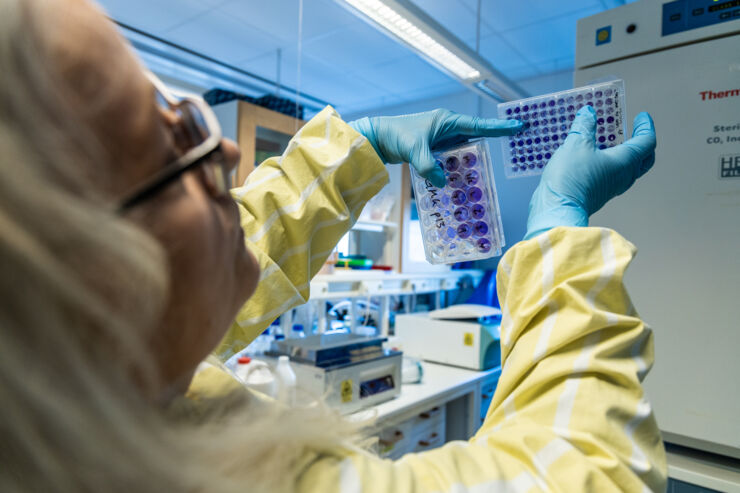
x,y
684,218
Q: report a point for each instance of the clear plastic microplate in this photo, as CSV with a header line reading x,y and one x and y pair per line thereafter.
x,y
461,221
548,119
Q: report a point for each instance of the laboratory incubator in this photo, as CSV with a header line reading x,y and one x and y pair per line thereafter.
x,y
680,62
467,336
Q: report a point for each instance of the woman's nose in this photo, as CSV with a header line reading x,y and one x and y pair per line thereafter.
x,y
231,153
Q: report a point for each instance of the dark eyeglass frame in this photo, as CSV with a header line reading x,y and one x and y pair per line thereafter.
x,y
190,160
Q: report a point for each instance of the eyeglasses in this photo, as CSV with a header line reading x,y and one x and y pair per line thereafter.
x,y
198,138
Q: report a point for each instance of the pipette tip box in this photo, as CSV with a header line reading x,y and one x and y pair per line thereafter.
x,y
461,221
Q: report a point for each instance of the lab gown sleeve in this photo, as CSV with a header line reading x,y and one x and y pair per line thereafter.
x,y
569,413
294,210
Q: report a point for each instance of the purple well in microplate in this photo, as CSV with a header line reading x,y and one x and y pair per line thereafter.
x,y
458,197
455,180
464,230
483,245
461,214
477,211
469,160
452,163
475,194
480,228
471,177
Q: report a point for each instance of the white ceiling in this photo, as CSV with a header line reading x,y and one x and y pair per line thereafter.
x,y
347,62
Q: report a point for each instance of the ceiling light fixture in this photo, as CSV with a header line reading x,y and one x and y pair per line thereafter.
x,y
407,23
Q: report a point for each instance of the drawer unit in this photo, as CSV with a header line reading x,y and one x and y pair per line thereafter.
x,y
424,431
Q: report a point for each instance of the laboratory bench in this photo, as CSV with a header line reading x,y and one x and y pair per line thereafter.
x,y
450,403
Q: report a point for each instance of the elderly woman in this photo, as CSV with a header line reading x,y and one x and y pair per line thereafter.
x,y
124,264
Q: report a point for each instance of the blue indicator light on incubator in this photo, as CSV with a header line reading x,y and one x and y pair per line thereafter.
x,y
603,35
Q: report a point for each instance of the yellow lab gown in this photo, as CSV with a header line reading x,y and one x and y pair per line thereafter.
x,y
569,413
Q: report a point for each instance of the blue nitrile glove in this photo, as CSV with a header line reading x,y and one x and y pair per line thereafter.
x,y
411,138
580,178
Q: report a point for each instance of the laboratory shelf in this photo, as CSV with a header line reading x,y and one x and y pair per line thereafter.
x,y
356,284
374,226
363,283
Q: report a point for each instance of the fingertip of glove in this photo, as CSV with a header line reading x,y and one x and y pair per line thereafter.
x,y
512,127
587,110
644,123
437,177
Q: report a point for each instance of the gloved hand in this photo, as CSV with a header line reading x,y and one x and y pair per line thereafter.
x,y
580,178
411,138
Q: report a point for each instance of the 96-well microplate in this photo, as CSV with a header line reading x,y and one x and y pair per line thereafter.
x,y
461,221
548,119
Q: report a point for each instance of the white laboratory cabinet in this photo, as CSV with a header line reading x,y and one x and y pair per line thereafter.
x,y
680,61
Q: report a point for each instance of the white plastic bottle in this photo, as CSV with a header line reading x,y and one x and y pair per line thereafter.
x,y
287,378
242,367
257,375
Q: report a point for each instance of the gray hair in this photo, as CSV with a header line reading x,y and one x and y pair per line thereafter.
x,y
81,289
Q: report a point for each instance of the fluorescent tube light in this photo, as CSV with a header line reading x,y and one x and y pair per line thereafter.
x,y
412,35
407,23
